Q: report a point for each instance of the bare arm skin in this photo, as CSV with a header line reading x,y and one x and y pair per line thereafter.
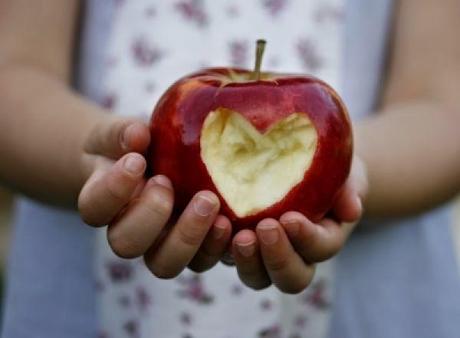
x,y
58,148
411,150
412,147
43,122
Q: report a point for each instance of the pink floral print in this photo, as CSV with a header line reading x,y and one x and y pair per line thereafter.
x,y
317,297
274,7
143,298
193,11
153,44
194,289
327,12
131,328
119,271
309,55
239,52
145,54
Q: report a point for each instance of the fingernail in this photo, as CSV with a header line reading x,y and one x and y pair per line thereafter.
x,y
162,180
292,227
134,165
268,234
359,203
218,231
246,249
204,206
125,137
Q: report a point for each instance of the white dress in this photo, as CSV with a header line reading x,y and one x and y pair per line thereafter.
x,y
152,44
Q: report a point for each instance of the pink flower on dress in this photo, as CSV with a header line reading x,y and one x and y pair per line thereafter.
x,y
143,298
317,295
271,332
119,271
266,304
186,318
238,52
237,290
274,6
300,321
150,12
144,53
308,54
109,101
193,11
131,327
195,290
328,12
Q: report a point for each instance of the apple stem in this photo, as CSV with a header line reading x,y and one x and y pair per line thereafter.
x,y
260,48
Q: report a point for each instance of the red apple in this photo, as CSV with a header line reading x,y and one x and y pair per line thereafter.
x,y
265,143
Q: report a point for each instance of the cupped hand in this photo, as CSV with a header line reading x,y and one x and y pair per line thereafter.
x,y
284,252
137,210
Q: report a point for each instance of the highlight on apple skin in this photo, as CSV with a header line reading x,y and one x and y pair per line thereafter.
x,y
265,143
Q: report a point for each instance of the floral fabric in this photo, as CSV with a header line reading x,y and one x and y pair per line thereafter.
x,y
153,43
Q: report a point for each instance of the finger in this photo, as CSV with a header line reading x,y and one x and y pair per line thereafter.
x,y
108,190
287,270
145,217
348,206
227,258
248,261
315,242
116,137
182,243
214,245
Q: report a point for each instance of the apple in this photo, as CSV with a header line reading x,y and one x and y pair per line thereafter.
x,y
265,143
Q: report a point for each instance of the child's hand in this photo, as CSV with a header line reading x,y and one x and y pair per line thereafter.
x,y
284,252
137,210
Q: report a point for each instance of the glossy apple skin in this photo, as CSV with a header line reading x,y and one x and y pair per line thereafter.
x,y
178,118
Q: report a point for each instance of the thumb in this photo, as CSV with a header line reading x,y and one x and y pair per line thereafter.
x,y
349,204
114,137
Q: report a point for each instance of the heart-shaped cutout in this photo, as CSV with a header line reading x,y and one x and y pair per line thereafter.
x,y
251,170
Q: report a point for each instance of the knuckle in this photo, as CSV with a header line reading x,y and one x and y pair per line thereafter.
x,y
189,236
85,209
121,246
276,264
330,251
159,204
116,190
116,132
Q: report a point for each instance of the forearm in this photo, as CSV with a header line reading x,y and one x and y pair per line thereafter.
x,y
43,127
412,154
